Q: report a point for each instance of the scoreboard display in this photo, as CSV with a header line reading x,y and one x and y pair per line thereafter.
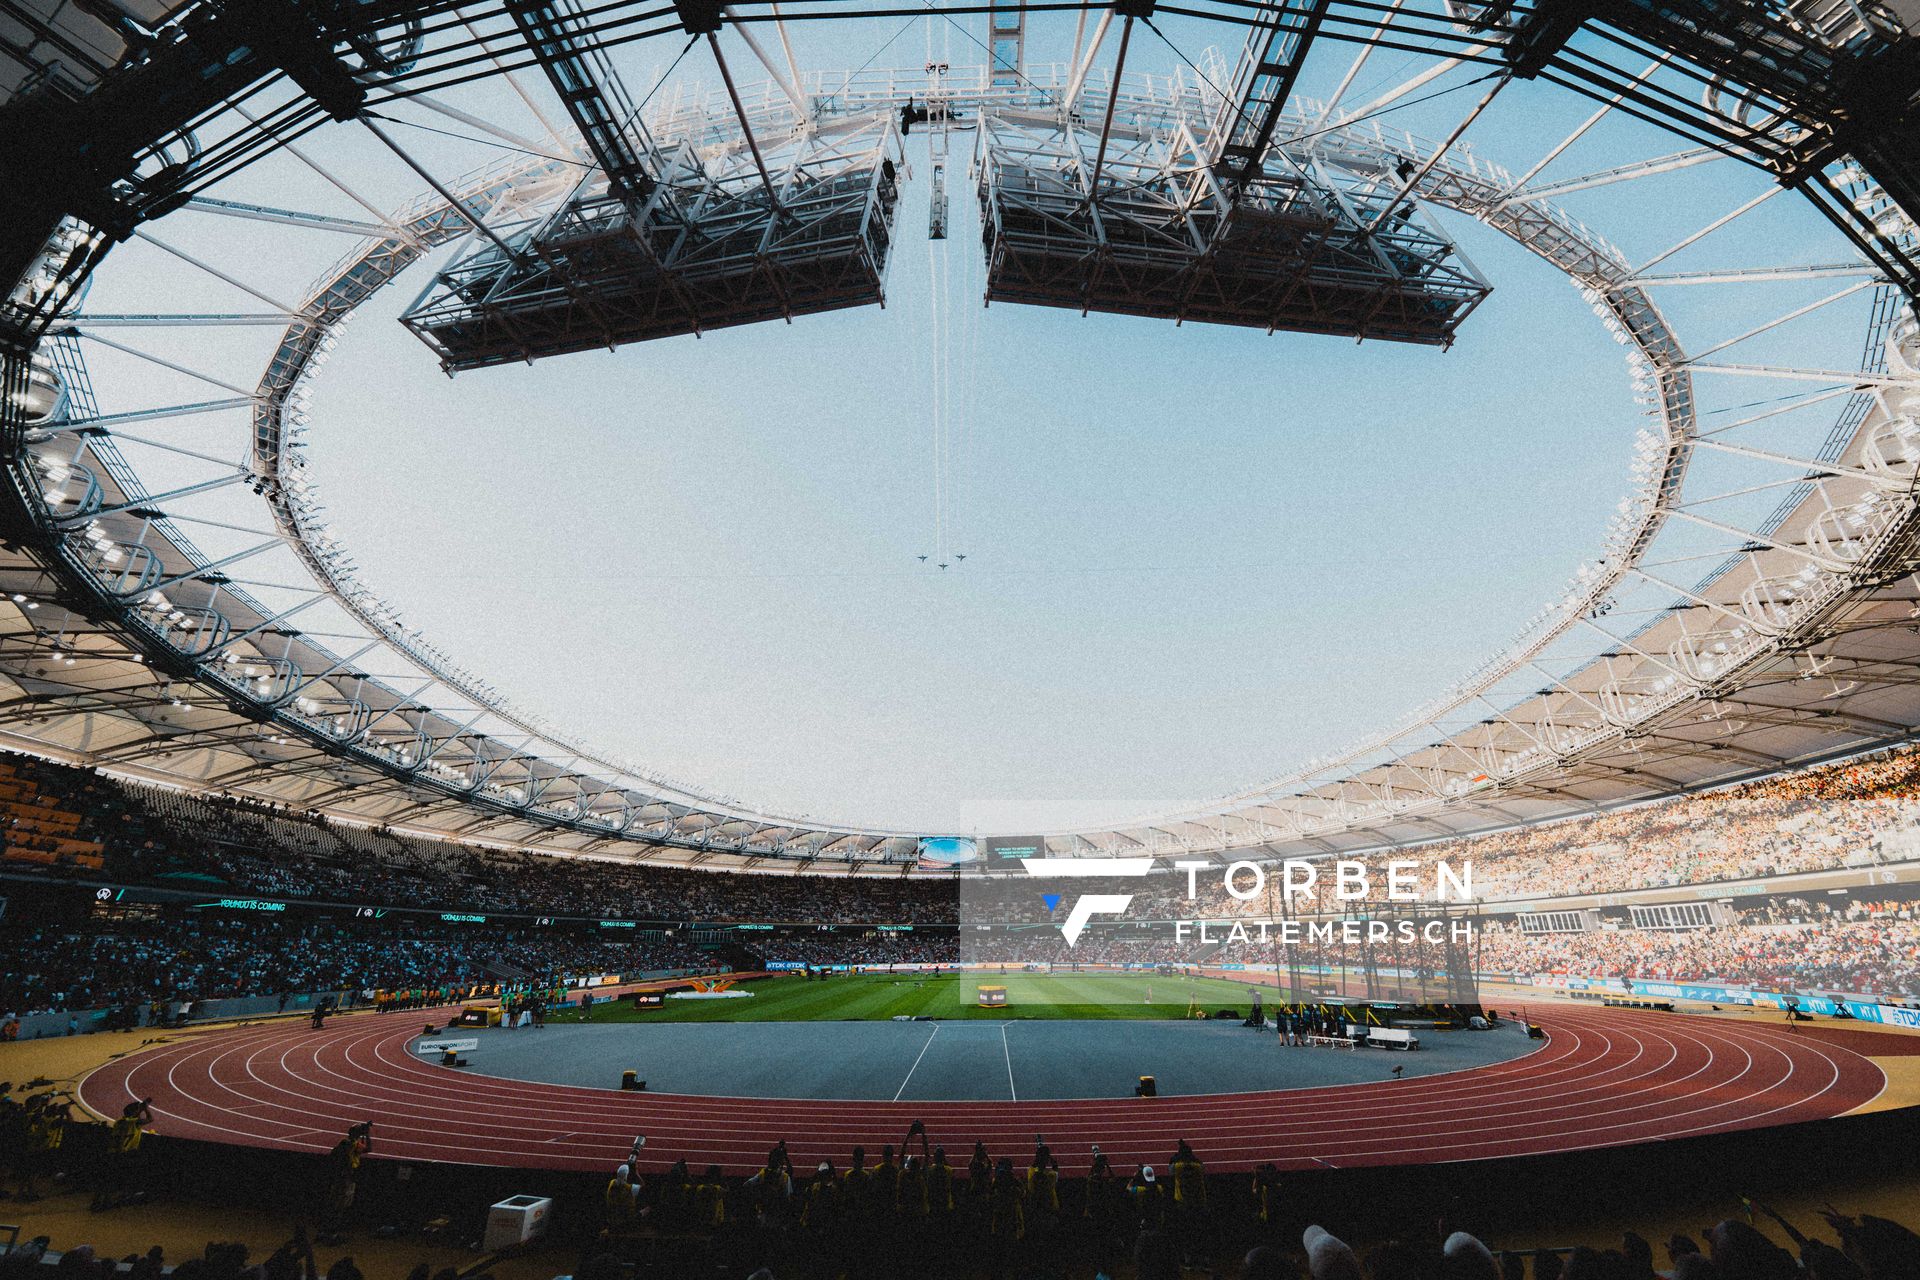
x,y
1009,848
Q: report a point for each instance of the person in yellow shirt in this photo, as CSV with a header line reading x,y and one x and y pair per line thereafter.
x,y
885,1185
343,1178
673,1198
1007,1207
710,1200
856,1187
622,1201
1043,1181
1102,1191
823,1192
1189,1180
979,1183
46,1131
1266,1192
123,1137
118,1184
1189,1197
772,1183
910,1191
939,1184
1145,1199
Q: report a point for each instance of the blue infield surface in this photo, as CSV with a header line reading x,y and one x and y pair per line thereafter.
x,y
977,1061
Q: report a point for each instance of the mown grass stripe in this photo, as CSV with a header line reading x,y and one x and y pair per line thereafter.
x,y
876,997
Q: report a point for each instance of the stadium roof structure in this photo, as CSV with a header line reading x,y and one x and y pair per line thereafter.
x,y
179,616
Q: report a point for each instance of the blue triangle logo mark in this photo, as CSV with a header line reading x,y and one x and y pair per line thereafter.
x,y
1052,900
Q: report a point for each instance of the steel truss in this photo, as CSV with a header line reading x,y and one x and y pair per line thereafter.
x,y
1193,217
1788,638
1824,94
666,238
712,246
1819,92
1290,248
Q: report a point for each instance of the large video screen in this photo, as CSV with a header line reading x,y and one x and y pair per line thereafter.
x,y
948,851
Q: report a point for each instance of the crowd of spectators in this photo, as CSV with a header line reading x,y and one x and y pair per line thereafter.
x,y
874,948
1860,812
1856,813
173,960
220,1260
1863,1247
154,834
1793,945
922,1211
913,1214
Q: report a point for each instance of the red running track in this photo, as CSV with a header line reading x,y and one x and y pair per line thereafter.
x,y
1606,1077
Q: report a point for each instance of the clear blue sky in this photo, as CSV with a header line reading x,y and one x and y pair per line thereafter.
x,y
1194,555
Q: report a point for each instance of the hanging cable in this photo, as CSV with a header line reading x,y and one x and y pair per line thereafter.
x,y
481,142
933,405
973,267
960,369
943,297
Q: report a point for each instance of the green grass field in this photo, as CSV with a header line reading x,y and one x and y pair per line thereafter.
x,y
876,997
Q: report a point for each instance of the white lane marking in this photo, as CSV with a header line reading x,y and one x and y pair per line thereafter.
x,y
916,1062
1011,1095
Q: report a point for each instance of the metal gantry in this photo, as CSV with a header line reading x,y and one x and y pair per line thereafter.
x,y
722,249
1751,606
1152,230
1262,86
658,240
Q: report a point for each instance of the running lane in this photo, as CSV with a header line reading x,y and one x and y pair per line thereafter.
x,y
1606,1077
